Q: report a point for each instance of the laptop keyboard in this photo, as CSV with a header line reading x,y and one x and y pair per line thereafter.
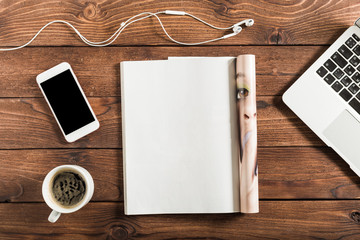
x,y
342,72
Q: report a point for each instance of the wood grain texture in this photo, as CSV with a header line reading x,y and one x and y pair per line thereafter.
x,y
305,172
286,220
276,22
23,184
28,123
307,191
285,173
97,69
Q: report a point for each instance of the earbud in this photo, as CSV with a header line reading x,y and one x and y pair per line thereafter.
x,y
247,22
237,29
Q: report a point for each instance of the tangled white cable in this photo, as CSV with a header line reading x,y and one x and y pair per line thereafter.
x,y
236,29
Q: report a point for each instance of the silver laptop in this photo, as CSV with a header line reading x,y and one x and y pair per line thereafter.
x,y
327,96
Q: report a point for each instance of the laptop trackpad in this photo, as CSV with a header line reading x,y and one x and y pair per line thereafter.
x,y
344,133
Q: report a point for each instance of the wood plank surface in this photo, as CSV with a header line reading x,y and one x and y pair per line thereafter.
x,y
306,190
315,173
23,184
98,68
28,123
278,220
276,22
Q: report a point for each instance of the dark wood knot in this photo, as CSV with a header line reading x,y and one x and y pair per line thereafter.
x,y
355,215
74,157
262,104
120,232
223,9
10,190
78,157
91,12
273,37
283,37
277,36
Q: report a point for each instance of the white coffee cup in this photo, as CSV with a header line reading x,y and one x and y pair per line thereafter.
x,y
48,195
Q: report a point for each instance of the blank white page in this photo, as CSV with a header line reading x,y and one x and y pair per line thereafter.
x,y
180,136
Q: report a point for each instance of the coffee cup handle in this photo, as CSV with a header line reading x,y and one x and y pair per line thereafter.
x,y
54,216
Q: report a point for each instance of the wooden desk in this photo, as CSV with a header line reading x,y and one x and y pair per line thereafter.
x,y
306,190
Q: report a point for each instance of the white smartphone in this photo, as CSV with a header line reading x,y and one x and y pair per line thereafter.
x,y
67,102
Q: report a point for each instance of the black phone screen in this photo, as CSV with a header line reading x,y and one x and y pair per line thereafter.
x,y
67,102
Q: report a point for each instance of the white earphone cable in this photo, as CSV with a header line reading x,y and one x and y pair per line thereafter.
x,y
118,31
123,25
206,23
187,44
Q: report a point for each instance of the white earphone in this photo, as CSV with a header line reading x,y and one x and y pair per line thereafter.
x,y
236,29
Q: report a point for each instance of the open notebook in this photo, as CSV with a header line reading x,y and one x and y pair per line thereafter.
x,y
180,136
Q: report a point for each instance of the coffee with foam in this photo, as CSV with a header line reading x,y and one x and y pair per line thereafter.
x,y
68,188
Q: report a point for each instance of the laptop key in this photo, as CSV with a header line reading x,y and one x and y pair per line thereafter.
x,y
345,95
330,65
339,60
349,70
355,105
350,42
345,51
356,37
346,81
322,71
353,88
337,86
358,96
329,79
356,77
338,73
355,61
357,50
